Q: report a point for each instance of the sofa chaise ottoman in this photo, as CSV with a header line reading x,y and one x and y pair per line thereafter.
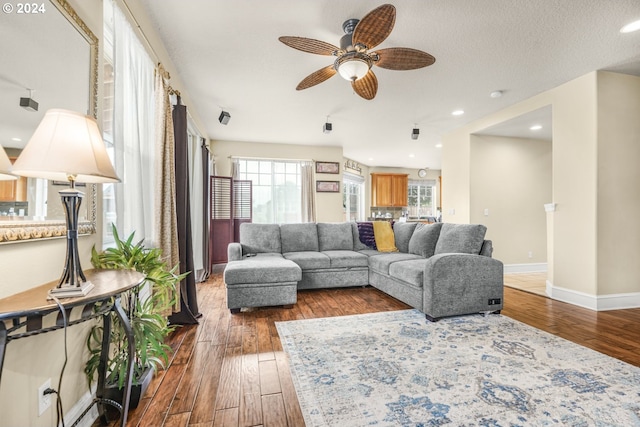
x,y
262,277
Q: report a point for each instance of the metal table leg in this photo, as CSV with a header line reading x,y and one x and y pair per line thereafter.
x,y
122,315
3,345
102,367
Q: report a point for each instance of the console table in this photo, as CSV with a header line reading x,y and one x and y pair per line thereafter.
x,y
22,315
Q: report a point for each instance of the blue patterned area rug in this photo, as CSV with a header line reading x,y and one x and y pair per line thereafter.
x,y
398,369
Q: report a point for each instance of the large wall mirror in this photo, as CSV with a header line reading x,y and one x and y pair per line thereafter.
x,y
51,57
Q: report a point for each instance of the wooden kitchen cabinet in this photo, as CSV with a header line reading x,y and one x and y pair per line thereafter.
x,y
13,190
389,189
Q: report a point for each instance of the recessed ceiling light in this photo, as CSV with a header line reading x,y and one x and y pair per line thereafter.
x,y
496,94
458,112
16,139
439,145
370,158
631,27
536,127
412,155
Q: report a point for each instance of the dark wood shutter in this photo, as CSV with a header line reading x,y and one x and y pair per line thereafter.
x,y
242,209
230,206
221,232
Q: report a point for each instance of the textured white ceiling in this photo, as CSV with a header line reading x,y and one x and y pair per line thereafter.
x,y
228,56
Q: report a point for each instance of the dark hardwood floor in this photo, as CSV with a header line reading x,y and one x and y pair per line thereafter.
x,y
230,370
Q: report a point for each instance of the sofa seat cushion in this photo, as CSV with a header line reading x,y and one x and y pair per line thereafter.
x,y
410,271
381,263
341,259
335,236
370,252
261,269
309,260
299,237
461,239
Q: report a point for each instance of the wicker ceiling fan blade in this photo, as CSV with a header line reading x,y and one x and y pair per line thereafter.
x,y
375,27
403,58
309,45
366,87
317,77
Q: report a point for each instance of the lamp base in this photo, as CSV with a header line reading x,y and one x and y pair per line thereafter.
x,y
71,291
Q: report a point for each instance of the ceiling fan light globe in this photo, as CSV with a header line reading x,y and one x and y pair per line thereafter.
x,y
353,69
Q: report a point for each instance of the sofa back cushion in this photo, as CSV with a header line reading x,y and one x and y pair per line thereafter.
x,y
260,238
299,237
335,236
424,239
402,232
461,238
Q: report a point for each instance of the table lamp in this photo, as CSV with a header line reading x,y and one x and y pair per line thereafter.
x,y
68,146
5,166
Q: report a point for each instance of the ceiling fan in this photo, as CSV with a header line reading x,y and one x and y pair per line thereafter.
x,y
355,56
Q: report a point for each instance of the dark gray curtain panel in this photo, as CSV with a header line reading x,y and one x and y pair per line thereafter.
x,y
189,312
204,274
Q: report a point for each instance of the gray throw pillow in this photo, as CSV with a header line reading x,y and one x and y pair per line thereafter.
x,y
402,232
424,239
461,238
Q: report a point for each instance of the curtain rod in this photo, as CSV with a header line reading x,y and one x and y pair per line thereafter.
x,y
271,158
139,28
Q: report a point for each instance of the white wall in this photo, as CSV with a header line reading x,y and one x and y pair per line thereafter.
x,y
618,187
511,180
594,127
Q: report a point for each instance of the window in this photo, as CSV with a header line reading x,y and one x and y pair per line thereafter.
x,y
422,197
352,197
277,189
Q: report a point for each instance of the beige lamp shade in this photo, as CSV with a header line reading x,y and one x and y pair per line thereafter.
x,y
5,166
66,146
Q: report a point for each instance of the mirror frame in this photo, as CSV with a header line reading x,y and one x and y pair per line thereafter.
x,y
22,230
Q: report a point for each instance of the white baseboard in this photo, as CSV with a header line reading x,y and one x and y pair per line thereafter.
x,y
594,302
72,415
540,267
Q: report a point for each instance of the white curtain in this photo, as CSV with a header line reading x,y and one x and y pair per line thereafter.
x,y
133,132
308,194
196,188
235,168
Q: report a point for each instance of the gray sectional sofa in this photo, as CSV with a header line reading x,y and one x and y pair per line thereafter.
x,y
441,269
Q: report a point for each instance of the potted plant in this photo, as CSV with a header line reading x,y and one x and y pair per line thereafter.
x,y
146,308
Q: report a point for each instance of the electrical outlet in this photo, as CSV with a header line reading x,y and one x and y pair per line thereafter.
x,y
530,254
44,400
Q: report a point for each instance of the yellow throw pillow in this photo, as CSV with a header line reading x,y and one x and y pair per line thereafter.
x,y
383,233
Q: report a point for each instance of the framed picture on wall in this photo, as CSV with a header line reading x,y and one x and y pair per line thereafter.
x,y
328,186
327,167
